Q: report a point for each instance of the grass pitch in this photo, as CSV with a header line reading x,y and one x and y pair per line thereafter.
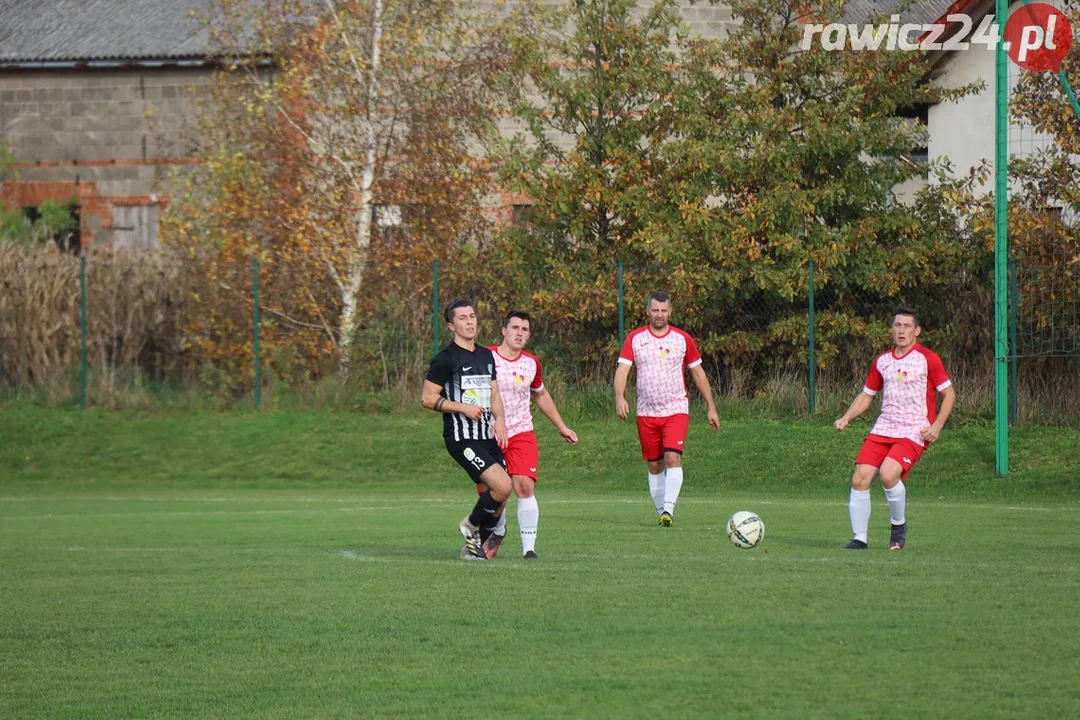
x,y
306,565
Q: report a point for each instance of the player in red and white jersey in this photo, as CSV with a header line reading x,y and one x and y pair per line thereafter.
x,y
663,353
520,383
909,378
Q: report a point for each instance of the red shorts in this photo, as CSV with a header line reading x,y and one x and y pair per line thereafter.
x,y
662,434
878,447
522,456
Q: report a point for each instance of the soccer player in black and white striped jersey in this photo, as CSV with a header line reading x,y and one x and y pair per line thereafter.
x,y
461,385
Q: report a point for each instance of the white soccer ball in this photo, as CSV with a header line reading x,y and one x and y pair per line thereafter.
x,y
745,529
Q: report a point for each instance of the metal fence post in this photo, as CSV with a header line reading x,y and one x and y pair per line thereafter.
x,y
1014,407
82,331
622,307
435,306
1001,250
255,323
812,354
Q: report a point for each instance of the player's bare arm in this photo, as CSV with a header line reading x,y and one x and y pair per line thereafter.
x,y
948,400
622,373
701,382
546,404
432,400
498,415
858,406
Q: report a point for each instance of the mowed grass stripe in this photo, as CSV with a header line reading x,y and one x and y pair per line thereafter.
x,y
183,591
288,621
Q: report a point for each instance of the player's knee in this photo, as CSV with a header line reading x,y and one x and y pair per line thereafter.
x,y
499,484
862,479
523,486
673,459
889,480
656,466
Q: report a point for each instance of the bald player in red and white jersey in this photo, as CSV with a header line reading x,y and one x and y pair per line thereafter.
x,y
663,354
521,382
909,377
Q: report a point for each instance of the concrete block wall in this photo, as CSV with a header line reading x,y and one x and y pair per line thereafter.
x,y
113,127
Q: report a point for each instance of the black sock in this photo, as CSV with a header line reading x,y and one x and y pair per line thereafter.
x,y
483,513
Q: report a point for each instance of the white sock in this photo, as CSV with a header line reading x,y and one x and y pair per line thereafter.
x,y
896,496
672,486
500,527
859,510
656,489
528,517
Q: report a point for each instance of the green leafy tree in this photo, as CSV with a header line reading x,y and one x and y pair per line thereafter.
x,y
599,84
718,170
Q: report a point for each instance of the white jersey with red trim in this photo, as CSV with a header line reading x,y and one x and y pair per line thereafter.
x,y
909,385
662,362
518,379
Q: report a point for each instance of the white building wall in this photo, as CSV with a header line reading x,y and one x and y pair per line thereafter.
x,y
963,131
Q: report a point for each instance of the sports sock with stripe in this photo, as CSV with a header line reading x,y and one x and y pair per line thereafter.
x,y
896,496
656,490
672,485
528,517
859,511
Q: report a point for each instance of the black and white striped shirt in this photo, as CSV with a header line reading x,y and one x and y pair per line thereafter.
x,y
465,377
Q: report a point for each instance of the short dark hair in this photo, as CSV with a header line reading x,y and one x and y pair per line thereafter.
x,y
519,314
658,296
459,303
908,311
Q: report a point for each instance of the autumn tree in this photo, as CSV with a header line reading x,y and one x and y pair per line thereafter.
x,y
324,116
718,170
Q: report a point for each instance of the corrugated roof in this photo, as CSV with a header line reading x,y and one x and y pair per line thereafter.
x,y
73,30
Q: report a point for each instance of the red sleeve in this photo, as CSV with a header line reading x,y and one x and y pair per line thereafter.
x,y
692,355
538,381
935,371
627,353
874,381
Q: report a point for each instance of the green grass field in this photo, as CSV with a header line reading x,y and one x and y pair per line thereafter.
x,y
305,565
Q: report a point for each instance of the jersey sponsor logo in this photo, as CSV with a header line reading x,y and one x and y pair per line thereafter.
x,y
518,379
476,390
901,375
664,352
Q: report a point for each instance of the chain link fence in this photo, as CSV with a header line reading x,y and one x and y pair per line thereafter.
x,y
88,328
